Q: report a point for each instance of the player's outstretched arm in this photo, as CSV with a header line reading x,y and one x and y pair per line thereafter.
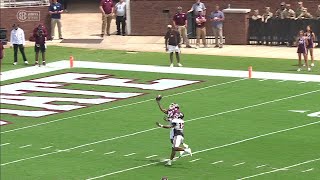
x,y
158,99
164,126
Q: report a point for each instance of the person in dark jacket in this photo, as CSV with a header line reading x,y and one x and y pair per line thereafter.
x,y
40,35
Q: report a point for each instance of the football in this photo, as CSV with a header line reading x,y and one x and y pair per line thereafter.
x,y
158,98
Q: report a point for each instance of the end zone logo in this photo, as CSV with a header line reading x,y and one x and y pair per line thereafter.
x,y
20,93
24,15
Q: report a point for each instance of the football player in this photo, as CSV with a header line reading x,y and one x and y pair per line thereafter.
x,y
178,137
172,112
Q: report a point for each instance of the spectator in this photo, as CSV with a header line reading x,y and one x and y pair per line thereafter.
x,y
305,14
180,22
256,15
172,43
217,18
318,12
40,34
1,53
106,8
267,15
17,40
289,13
300,9
302,49
281,11
201,29
120,9
311,37
55,9
64,5
197,7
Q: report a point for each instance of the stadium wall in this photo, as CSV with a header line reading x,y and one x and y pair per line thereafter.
x,y
147,17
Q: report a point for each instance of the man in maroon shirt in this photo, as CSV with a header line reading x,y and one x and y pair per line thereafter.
x,y
106,8
180,22
201,29
40,35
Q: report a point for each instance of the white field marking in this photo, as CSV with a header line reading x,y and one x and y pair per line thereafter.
x,y
140,132
282,81
299,111
263,79
48,147
111,152
195,160
217,162
262,166
303,82
307,170
25,146
87,151
238,164
129,154
120,106
280,169
151,156
4,144
213,148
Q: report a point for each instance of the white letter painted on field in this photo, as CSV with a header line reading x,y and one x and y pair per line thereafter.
x,y
106,80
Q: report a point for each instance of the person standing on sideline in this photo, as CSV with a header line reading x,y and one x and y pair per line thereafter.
x,y
120,11
302,50
172,43
1,53
181,23
17,40
197,7
55,9
106,8
217,18
40,34
201,29
311,37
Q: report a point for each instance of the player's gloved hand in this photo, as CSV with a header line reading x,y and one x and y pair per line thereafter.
x,y
159,125
158,98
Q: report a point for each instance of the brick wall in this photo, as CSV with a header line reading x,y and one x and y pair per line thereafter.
x,y
147,17
9,16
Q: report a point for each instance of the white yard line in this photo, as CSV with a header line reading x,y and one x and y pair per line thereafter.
x,y
238,164
111,152
303,82
4,144
121,106
195,160
151,156
48,147
87,151
129,154
140,132
263,80
217,162
307,170
261,166
282,81
25,146
280,169
213,148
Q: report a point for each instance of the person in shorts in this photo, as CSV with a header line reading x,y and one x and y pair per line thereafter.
x,y
40,35
172,43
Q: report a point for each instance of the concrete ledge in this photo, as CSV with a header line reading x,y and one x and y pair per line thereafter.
x,y
236,11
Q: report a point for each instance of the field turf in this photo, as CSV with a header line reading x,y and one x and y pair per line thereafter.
x,y
237,128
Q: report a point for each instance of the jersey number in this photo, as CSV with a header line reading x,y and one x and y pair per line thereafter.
x,y
181,125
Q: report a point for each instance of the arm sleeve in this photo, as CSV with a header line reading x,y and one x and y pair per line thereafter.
x,y
11,37
23,37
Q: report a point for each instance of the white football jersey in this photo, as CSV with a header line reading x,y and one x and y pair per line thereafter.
x,y
178,125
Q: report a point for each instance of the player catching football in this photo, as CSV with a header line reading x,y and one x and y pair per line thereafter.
x,y
177,125
172,112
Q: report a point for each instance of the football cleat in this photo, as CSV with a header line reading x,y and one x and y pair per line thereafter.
x,y
168,163
188,150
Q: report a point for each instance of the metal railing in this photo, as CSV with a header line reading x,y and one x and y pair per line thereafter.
x,y
23,3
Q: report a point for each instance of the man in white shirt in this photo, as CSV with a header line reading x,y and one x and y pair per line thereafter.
x,y
17,40
120,9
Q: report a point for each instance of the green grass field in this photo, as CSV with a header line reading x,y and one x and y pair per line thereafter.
x,y
236,127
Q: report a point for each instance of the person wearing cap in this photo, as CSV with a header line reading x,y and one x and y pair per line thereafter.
x,y
256,15
280,12
201,29
172,44
299,9
305,14
217,18
181,23
55,10
289,13
318,12
40,36
267,15
17,40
